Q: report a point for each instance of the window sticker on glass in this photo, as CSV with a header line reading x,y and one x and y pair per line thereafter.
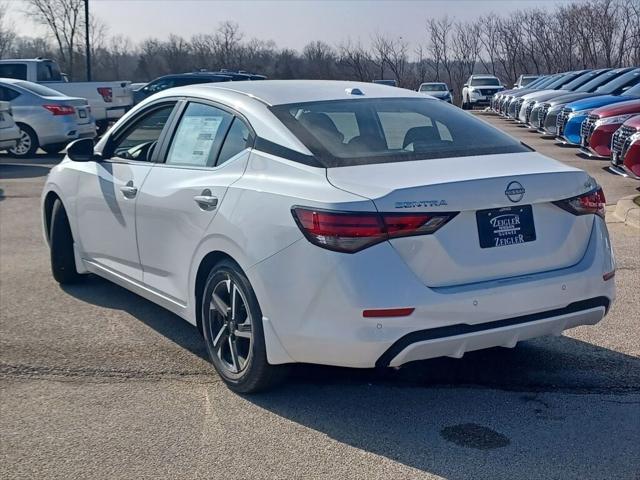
x,y
194,140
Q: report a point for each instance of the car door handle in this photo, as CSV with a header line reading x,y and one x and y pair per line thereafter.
x,y
206,201
128,190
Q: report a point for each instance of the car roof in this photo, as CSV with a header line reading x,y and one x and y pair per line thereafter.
x,y
280,92
194,75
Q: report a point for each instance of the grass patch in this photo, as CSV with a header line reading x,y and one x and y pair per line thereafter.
x,y
637,200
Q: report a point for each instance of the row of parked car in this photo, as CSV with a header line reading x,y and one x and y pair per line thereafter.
x,y
40,109
597,111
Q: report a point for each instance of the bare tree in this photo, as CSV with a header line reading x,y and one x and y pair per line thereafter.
x,y
357,59
63,19
7,34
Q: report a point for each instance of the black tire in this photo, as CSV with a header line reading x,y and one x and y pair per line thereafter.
x,y
63,264
28,143
257,374
54,148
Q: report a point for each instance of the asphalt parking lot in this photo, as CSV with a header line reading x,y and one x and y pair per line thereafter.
x,y
99,383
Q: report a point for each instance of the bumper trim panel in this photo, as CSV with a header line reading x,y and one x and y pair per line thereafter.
x,y
463,329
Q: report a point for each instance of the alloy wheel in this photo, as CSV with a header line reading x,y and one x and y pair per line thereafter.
x,y
24,144
230,327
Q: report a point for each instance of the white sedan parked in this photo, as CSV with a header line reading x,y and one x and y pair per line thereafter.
x,y
337,223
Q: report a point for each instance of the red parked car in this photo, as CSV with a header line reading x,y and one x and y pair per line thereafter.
x,y
625,149
598,128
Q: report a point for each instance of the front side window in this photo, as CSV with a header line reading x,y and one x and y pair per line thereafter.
x,y
139,140
199,136
392,130
48,72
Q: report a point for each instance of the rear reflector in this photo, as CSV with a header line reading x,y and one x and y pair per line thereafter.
x,y
608,276
388,312
350,232
592,202
59,110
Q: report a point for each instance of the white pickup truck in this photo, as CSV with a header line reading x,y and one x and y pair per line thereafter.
x,y
108,100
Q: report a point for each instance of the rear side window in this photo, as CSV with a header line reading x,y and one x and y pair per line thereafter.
x,y
7,94
13,70
392,130
199,136
236,141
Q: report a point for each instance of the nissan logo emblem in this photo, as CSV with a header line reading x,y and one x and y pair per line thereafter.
x,y
514,192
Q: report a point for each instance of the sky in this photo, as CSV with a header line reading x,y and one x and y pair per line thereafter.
x,y
291,23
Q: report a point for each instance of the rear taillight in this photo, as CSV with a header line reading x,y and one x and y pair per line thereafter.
x,y
350,232
58,110
106,93
592,202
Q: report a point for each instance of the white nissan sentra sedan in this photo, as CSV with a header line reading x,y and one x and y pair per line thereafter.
x,y
337,223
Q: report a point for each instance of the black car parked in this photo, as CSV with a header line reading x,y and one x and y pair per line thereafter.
x,y
182,79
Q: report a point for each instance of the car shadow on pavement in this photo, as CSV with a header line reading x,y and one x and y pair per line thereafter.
x,y
36,166
103,293
547,407
492,414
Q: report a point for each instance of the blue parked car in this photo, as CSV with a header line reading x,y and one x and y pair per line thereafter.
x,y
571,116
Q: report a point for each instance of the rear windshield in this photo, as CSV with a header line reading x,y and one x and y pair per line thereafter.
x,y
433,87
365,131
484,82
39,89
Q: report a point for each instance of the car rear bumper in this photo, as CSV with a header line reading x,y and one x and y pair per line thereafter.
x,y
320,317
456,340
9,137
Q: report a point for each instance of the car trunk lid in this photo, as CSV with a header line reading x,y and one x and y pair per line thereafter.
x,y
516,185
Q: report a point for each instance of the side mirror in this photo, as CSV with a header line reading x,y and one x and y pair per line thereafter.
x,y
81,150
465,85
451,90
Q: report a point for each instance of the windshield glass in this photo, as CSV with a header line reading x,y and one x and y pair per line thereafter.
x,y
363,131
39,89
615,86
527,80
633,91
433,87
562,80
544,82
594,83
581,80
484,82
